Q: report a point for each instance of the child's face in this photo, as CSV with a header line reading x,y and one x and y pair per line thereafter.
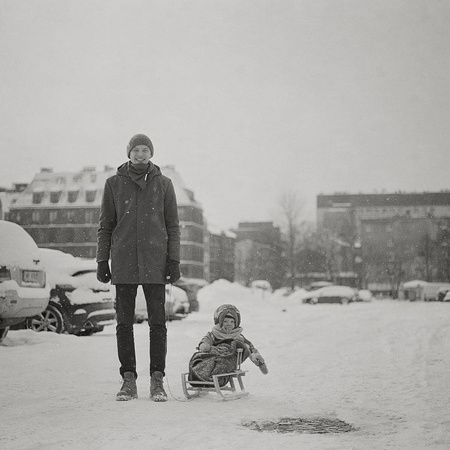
x,y
228,324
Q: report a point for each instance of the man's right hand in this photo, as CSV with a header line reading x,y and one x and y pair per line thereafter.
x,y
103,272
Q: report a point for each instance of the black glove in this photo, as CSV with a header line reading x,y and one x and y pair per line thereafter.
x,y
103,272
173,271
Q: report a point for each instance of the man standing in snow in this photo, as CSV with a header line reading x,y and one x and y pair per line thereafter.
x,y
139,231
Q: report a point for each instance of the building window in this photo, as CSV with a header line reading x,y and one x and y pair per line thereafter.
x,y
90,196
53,215
191,234
54,196
37,197
72,196
191,253
35,216
67,235
70,216
89,216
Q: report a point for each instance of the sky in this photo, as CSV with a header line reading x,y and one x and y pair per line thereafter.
x,y
329,366
247,99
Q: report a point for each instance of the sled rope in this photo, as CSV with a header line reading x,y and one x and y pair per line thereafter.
x,y
180,399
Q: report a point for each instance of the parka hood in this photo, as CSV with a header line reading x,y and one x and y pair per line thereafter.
x,y
140,178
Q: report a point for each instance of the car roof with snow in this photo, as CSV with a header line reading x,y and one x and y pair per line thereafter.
x,y
334,290
58,261
17,246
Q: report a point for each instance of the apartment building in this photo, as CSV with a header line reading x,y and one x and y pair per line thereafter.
x,y
60,210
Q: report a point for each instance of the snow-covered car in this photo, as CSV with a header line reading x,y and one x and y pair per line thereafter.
x,y
331,294
79,304
446,297
177,304
23,287
364,295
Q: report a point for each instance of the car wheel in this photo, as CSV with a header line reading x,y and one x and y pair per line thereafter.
x,y
3,333
90,331
49,320
344,301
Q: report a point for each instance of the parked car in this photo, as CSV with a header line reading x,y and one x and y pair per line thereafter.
x,y
79,304
446,297
331,294
24,290
419,290
177,304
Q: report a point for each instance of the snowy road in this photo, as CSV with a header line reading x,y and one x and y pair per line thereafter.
x,y
383,367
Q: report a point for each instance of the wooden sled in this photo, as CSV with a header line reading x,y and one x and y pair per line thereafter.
x,y
193,389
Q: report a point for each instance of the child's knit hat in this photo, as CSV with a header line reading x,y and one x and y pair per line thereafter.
x,y
227,310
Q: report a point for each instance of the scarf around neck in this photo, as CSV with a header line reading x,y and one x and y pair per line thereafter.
x,y
139,173
220,334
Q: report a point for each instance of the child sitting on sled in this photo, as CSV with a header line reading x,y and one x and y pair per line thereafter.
x,y
217,351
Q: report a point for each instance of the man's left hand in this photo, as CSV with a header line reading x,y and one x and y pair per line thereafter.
x,y
173,271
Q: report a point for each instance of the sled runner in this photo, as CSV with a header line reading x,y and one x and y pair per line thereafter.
x,y
222,383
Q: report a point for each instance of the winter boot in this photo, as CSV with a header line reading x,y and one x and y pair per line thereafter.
x,y
129,388
157,392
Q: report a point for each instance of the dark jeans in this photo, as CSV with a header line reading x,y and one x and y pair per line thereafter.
x,y
155,297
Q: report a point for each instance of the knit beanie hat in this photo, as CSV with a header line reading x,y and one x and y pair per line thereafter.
x,y
140,139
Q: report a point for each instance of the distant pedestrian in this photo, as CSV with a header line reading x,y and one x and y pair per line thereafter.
x,y
139,232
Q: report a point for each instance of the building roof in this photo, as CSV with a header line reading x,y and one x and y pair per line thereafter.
x,y
87,180
393,199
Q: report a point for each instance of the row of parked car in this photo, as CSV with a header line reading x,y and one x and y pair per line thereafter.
x,y
49,290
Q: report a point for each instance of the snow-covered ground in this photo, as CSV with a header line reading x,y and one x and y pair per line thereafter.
x,y
382,367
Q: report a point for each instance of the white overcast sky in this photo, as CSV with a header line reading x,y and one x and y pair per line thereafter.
x,y
246,98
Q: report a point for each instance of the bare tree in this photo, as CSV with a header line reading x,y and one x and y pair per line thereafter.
x,y
291,206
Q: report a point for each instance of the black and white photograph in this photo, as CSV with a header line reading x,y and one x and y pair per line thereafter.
x,y
225,224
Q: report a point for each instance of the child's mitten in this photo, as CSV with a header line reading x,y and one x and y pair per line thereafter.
x,y
204,347
258,360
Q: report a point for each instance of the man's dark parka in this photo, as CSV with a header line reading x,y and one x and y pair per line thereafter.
x,y
139,228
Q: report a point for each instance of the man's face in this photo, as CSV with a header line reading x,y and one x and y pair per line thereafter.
x,y
140,154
